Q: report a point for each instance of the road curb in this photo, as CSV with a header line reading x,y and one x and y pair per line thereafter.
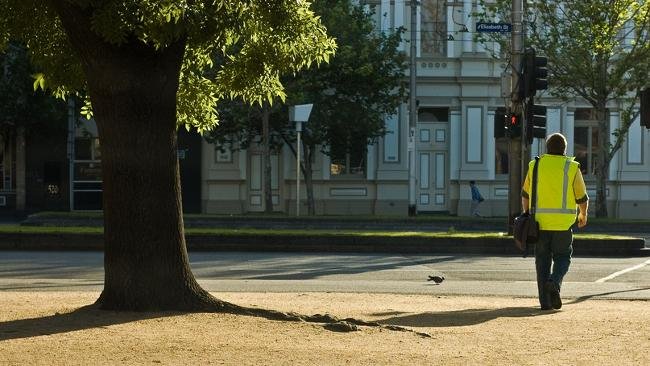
x,y
327,243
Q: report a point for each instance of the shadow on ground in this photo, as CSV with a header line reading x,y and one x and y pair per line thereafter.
x,y
587,297
86,317
461,318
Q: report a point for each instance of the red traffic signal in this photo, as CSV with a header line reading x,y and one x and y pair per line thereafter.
x,y
513,125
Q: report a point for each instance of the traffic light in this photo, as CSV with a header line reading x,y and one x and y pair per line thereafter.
x,y
535,121
533,74
513,125
645,108
500,121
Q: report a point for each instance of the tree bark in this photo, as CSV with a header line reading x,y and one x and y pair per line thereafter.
x,y
602,161
133,90
145,260
309,182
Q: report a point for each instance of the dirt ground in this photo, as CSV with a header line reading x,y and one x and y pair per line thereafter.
x,y
57,328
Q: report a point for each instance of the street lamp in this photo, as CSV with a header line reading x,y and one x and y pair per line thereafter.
x,y
299,114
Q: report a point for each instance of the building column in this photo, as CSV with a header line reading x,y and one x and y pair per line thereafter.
x,y
465,19
399,21
568,131
451,44
455,144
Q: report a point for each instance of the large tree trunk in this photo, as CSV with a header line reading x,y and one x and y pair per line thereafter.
x,y
133,92
145,260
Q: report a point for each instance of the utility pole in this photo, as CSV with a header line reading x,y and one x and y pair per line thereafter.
x,y
517,148
412,209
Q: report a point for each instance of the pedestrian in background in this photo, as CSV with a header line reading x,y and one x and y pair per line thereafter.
x,y
560,190
476,198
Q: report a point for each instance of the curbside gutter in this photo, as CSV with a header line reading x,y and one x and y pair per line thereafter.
x,y
340,243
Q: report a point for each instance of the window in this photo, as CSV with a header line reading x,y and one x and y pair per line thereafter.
x,y
348,160
222,154
585,140
586,148
426,114
433,28
87,148
6,165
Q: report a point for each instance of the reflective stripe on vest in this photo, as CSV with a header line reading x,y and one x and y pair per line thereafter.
x,y
558,209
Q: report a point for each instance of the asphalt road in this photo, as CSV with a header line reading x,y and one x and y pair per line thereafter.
x,y
621,278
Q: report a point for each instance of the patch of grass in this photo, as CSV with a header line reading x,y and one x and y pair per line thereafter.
x,y
329,218
51,229
291,232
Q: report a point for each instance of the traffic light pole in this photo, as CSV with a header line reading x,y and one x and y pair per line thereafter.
x,y
517,146
413,113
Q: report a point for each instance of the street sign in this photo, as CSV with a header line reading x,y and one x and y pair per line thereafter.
x,y
493,27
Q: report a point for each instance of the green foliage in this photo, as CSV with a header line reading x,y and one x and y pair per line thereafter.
x,y
257,41
20,104
359,87
351,94
597,49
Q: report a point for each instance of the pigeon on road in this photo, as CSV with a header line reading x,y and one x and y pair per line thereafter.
x,y
436,279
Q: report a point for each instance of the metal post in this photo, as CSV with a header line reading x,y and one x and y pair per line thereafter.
x,y
516,146
412,208
299,114
298,170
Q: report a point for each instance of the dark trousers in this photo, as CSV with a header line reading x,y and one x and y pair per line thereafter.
x,y
553,249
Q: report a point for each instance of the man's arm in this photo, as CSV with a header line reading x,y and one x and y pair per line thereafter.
x,y
582,216
525,195
524,204
580,191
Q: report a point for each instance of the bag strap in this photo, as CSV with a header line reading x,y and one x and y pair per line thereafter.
x,y
533,204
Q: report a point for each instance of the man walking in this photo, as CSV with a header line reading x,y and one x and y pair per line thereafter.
x,y
476,198
560,189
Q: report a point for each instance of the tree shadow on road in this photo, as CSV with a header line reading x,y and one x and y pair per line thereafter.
x,y
587,297
86,317
460,318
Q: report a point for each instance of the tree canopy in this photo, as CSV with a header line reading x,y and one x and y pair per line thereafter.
x,y
256,42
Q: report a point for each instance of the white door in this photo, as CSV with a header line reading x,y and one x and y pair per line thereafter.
x,y
431,168
256,182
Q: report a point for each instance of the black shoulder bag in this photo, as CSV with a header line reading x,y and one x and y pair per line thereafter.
x,y
526,229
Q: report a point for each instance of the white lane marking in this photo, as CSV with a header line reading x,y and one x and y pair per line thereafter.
x,y
630,269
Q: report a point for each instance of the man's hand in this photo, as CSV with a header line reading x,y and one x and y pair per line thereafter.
x,y
582,220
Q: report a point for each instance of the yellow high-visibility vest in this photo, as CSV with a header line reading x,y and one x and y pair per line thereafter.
x,y
556,201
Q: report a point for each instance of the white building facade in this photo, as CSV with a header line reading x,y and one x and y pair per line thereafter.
x,y
459,87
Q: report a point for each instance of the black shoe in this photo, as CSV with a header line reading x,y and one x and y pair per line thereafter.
x,y
553,294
